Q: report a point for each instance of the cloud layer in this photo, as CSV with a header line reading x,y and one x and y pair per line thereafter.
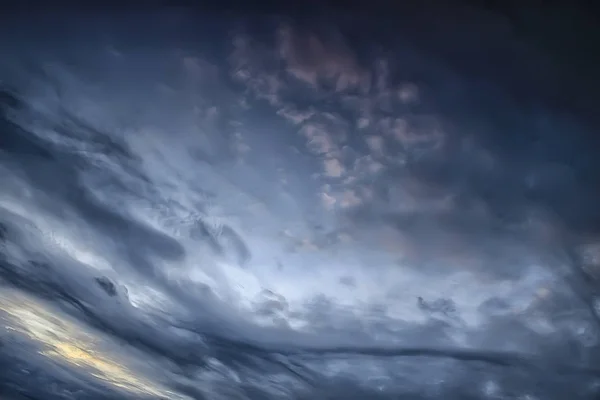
x,y
280,210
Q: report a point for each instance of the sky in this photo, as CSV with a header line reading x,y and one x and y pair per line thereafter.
x,y
198,204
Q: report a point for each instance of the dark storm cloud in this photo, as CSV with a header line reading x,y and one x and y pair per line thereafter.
x,y
507,166
137,164
61,192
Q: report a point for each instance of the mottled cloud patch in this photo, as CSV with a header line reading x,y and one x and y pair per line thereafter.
x,y
413,131
314,59
394,175
333,168
326,135
319,140
252,64
295,116
327,199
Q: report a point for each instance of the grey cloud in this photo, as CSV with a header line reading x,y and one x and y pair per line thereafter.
x,y
379,170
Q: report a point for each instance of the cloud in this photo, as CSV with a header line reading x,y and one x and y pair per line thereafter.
x,y
314,59
63,341
274,212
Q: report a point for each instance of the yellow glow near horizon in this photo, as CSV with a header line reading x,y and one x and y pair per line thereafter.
x,y
65,341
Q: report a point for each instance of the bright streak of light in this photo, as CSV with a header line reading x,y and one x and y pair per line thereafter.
x,y
64,341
